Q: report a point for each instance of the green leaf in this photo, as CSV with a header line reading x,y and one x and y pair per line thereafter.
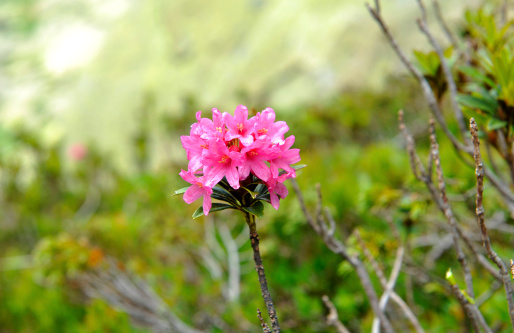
x,y
495,124
256,209
474,102
296,167
261,189
252,193
476,75
180,191
215,207
264,197
220,193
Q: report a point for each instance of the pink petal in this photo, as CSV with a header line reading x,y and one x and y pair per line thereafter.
x,y
214,175
260,169
275,203
233,177
207,204
193,193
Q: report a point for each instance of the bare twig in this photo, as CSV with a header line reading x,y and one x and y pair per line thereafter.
x,y
446,69
448,213
481,299
434,106
264,326
474,315
442,23
409,314
336,246
481,221
425,86
254,239
133,297
389,286
333,317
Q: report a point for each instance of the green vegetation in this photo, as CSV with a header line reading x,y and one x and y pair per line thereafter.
x,y
64,216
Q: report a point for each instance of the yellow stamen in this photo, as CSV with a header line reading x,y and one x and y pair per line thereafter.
x,y
262,131
224,159
240,127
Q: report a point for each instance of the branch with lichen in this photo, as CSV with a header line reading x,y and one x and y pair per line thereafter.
x,y
480,212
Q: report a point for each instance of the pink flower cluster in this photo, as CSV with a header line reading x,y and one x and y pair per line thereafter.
x,y
235,147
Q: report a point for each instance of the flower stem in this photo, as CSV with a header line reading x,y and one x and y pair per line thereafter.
x,y
254,238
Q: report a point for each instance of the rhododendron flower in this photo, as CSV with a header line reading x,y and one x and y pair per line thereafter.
x,y
234,155
221,162
254,157
276,189
239,126
284,158
198,189
77,151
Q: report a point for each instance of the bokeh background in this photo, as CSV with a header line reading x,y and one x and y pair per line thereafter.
x,y
94,95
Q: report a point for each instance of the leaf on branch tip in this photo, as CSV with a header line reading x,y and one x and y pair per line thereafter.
x,y
180,191
215,208
256,209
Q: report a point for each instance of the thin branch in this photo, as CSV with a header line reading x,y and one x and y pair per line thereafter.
x,y
254,239
448,213
473,315
434,106
264,326
480,212
389,286
481,299
426,178
452,86
333,317
425,86
442,23
338,248
409,314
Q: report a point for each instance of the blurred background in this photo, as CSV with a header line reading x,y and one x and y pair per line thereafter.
x,y
94,95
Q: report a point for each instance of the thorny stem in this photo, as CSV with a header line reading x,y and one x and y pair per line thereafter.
x,y
254,239
480,212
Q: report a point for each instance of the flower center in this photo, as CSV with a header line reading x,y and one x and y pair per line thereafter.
x,y
224,159
253,153
262,131
240,127
199,184
218,129
205,146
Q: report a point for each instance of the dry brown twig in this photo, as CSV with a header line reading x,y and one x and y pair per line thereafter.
x,y
319,224
480,212
333,317
441,199
434,106
448,213
452,86
264,326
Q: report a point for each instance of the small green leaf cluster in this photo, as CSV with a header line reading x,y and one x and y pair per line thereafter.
x,y
248,198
